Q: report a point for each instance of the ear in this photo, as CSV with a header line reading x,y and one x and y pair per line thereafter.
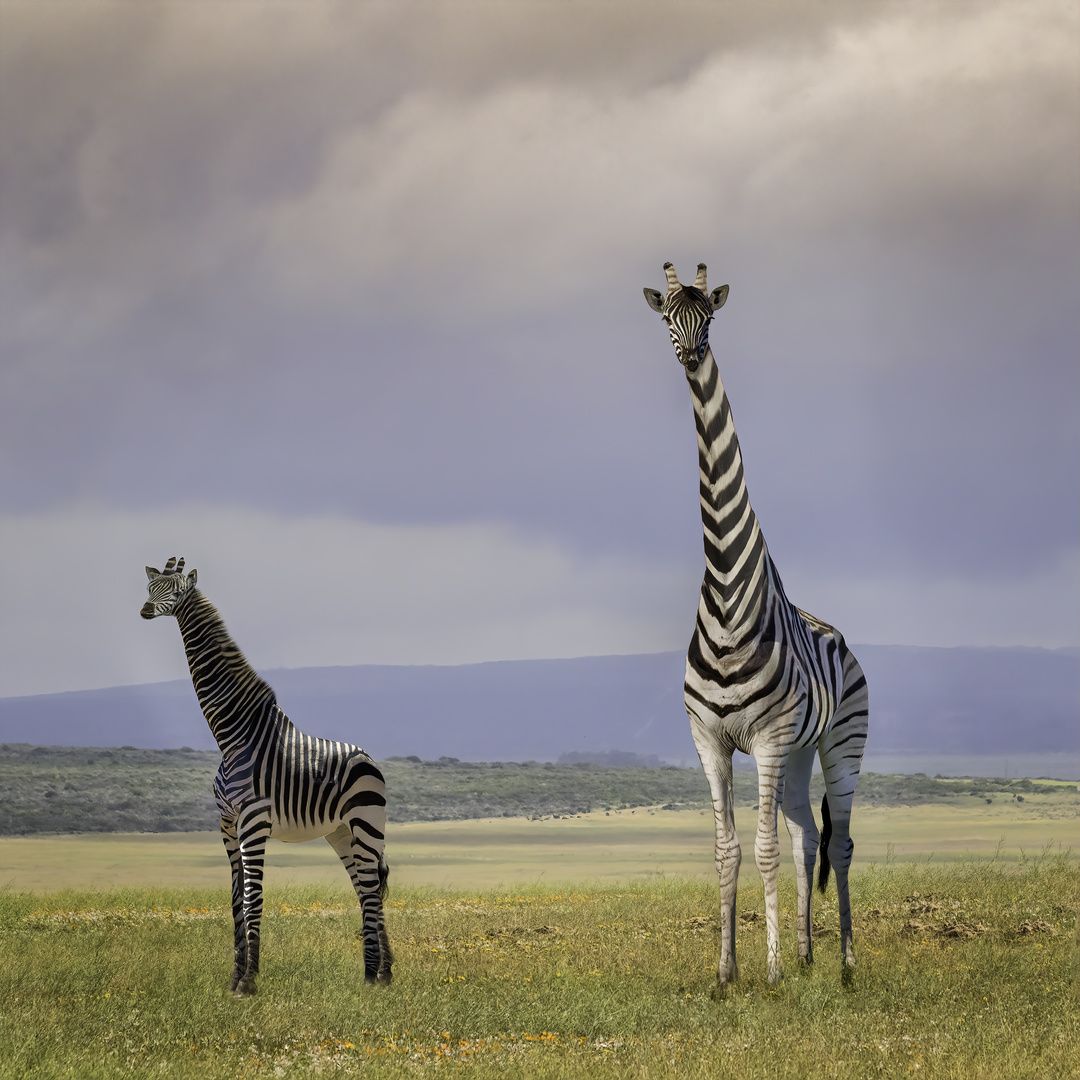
x,y
718,297
655,299
193,577
151,573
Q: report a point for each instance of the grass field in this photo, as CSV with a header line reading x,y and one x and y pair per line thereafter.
x,y
572,947
966,970
596,847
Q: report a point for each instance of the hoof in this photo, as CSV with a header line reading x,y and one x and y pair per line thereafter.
x,y
727,973
245,988
847,976
382,978
723,989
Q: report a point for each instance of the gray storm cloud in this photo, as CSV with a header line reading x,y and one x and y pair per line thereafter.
x,y
234,143
385,264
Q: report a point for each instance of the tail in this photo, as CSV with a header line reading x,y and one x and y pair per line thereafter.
x,y
384,877
823,845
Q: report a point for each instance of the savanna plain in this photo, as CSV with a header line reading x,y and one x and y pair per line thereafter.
x,y
578,945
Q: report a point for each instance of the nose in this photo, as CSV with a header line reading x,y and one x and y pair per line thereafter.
x,y
147,610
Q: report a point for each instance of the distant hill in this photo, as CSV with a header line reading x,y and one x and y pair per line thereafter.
x,y
1000,703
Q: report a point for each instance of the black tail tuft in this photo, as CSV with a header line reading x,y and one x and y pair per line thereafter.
x,y
823,845
384,878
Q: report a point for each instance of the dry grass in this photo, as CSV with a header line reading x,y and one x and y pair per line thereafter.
x,y
600,846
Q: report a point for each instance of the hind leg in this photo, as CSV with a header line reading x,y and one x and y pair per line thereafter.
x,y
839,851
368,872
840,751
804,840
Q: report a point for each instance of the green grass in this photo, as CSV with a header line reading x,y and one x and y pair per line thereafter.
x,y
965,970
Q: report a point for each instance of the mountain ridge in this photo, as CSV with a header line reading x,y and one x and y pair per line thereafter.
x,y
924,700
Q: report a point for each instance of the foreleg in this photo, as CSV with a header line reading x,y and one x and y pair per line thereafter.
x,y
771,767
232,848
716,761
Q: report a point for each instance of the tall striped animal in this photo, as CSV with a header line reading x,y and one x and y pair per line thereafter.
x,y
762,676
274,780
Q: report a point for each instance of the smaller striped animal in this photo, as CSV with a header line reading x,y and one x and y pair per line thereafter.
x,y
274,781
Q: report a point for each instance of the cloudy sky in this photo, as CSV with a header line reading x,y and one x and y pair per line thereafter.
x,y
343,303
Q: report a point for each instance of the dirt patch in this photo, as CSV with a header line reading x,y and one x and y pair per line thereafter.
x,y
519,931
945,929
1034,926
701,924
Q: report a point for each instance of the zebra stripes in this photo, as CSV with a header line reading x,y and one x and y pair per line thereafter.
x,y
762,676
274,781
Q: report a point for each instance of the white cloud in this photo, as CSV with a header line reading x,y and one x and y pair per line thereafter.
x,y
893,125
197,141
313,591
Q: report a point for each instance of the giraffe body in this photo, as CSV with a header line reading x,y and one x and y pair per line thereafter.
x,y
762,676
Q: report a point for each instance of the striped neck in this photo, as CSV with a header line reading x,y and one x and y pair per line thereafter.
x,y
233,697
737,564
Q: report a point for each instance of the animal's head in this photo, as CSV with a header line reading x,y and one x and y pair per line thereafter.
x,y
167,588
687,310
